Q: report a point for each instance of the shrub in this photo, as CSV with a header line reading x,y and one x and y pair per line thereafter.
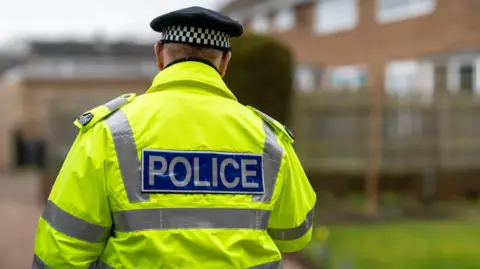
x,y
260,75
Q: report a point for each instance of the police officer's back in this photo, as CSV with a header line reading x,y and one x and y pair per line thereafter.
x,y
183,176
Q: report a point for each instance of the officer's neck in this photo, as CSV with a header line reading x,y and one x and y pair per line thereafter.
x,y
191,59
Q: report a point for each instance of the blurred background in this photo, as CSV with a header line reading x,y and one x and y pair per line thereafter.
x,y
381,95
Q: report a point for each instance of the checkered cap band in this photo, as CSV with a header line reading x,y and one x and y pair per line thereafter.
x,y
197,36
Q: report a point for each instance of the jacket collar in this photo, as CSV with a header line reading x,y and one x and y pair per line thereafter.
x,y
188,71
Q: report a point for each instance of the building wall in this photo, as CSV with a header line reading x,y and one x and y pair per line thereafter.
x,y
27,105
85,94
4,143
10,111
453,25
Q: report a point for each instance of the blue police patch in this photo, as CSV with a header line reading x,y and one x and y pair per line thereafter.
x,y
201,172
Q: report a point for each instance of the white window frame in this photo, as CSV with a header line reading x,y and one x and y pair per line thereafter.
x,y
453,72
408,10
402,71
357,74
322,10
260,23
284,19
306,79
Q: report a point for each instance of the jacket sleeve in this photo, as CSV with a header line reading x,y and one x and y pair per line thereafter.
x,y
74,228
291,223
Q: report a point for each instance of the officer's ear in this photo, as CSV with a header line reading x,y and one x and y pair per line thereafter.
x,y
226,56
159,48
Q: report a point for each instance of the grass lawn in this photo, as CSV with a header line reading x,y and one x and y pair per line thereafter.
x,y
403,245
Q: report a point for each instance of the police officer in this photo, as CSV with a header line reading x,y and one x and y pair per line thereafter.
x,y
183,176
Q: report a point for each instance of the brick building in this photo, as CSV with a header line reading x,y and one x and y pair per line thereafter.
x,y
76,75
399,46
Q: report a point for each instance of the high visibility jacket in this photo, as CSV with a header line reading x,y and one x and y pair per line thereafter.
x,y
100,213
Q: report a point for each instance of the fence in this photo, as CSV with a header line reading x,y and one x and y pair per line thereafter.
x,y
334,132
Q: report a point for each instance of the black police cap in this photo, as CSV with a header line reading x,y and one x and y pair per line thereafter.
x,y
198,26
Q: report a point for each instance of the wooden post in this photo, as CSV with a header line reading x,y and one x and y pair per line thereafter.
x,y
372,176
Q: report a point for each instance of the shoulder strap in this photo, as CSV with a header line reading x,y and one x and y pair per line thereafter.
x,y
282,129
88,119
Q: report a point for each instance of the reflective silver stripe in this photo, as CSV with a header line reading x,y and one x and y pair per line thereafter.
x,y
72,226
128,162
116,103
100,265
272,158
269,265
193,218
266,116
39,264
293,233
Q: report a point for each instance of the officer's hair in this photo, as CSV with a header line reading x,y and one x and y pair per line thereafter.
x,y
177,51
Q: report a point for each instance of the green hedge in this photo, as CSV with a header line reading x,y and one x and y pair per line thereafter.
x,y
261,75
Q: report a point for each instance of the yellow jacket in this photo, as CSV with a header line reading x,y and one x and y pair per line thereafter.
x,y
183,176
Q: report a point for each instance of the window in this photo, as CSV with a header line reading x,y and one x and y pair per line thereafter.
x,y
285,19
467,76
401,77
350,78
462,74
307,78
335,15
260,24
395,10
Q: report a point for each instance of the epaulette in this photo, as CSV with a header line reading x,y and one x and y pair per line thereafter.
x,y
88,119
286,133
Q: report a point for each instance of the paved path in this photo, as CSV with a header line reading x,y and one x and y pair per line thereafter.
x,y
289,264
19,211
